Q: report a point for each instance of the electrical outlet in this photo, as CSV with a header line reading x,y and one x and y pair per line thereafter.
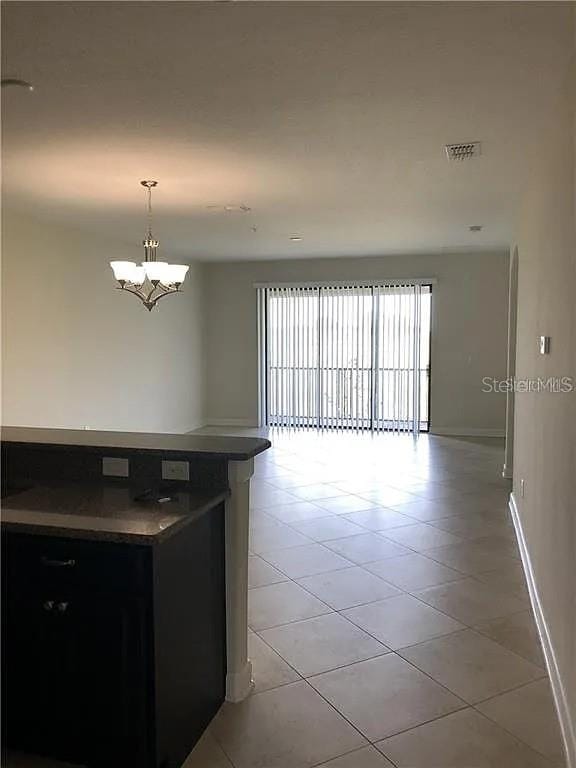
x,y
175,470
522,488
112,466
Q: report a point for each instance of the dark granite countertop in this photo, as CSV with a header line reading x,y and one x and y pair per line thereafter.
x,y
215,446
102,513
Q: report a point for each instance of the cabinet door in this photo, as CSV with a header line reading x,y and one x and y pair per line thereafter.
x,y
77,675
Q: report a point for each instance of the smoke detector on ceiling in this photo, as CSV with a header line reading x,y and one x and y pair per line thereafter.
x,y
464,151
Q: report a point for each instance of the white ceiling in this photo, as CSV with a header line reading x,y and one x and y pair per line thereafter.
x,y
327,119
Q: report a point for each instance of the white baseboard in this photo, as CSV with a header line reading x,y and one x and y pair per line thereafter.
x,y
561,700
213,422
467,432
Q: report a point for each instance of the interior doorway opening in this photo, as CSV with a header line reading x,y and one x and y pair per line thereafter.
x,y
346,356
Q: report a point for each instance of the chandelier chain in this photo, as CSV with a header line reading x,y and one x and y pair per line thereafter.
x,y
149,212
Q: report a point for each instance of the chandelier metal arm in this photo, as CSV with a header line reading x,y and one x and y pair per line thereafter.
x,y
167,292
148,299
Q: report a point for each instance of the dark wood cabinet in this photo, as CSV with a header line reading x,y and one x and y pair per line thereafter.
x,y
114,654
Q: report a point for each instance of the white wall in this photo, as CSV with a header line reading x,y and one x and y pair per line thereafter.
x,y
545,423
76,352
469,331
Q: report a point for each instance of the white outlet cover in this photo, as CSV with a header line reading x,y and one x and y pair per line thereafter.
x,y
175,470
112,466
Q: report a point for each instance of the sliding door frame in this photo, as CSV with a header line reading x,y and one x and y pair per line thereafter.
x,y
263,374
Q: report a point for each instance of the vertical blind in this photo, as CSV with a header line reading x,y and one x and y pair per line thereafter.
x,y
346,357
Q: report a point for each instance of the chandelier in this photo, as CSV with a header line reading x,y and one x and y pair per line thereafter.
x,y
151,280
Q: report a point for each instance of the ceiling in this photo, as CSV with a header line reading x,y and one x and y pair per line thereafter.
x,y
328,120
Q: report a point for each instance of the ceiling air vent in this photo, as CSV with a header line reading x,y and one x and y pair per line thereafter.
x,y
463,151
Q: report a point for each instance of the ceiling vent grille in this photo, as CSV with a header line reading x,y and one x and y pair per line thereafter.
x,y
464,151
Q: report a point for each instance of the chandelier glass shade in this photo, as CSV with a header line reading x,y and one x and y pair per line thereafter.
x,y
151,280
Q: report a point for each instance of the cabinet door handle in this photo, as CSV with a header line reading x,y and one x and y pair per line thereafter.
x,y
47,561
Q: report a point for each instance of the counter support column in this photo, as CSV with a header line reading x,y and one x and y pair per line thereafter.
x,y
239,681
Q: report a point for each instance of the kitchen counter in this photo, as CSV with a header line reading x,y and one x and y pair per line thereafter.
x,y
103,513
222,447
43,471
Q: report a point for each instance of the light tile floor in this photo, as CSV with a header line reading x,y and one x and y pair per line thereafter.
x,y
389,618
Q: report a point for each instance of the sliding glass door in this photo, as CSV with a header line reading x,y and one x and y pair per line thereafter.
x,y
339,357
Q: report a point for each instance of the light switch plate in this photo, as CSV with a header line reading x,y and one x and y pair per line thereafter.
x,y
175,470
112,466
544,345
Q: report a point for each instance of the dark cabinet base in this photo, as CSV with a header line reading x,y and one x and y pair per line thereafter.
x,y
119,658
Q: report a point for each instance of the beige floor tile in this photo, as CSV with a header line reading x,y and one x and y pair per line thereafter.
x,y
261,573
258,517
412,572
261,499
385,695
316,492
348,587
518,633
289,727
422,536
323,643
342,505
436,492
366,548
510,578
470,601
473,527
354,486
472,666
326,528
269,670
369,757
298,512
272,534
426,510
490,516
379,519
454,485
207,754
470,559
294,480
308,560
280,604
388,497
462,740
401,621
501,543
530,715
